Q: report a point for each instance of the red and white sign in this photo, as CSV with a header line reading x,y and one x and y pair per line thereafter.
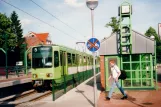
x,y
159,30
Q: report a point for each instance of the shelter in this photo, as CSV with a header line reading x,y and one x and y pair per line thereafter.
x,y
139,64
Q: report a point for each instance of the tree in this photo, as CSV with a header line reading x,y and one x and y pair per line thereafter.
x,y
6,32
16,28
152,32
114,24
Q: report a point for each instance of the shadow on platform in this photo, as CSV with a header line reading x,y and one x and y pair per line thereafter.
x,y
82,92
98,82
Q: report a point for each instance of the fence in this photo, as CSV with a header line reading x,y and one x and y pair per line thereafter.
x,y
13,72
70,82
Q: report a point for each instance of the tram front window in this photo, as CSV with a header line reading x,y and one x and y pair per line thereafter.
x,y
42,57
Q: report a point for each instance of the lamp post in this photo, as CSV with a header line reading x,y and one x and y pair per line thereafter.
x,y
92,4
84,50
154,58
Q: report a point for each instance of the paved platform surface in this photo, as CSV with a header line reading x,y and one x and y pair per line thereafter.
x,y
136,98
15,81
80,96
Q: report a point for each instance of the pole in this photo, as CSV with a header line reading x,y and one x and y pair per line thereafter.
x,y
94,70
92,18
24,58
53,90
6,56
156,76
26,62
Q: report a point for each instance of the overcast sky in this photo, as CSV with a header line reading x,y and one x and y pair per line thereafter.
x,y
75,14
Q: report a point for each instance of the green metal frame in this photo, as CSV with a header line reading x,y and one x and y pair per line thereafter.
x,y
107,67
5,52
139,72
127,35
25,59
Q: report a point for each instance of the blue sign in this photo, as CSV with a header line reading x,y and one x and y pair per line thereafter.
x,y
93,44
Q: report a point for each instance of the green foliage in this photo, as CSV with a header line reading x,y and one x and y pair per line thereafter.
x,y
114,24
6,32
16,27
17,30
152,32
11,33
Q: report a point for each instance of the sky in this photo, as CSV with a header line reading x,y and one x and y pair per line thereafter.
x,y
77,18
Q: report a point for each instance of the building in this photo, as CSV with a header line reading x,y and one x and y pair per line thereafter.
x,y
34,39
139,64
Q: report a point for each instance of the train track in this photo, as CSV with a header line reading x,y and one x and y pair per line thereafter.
x,y
25,97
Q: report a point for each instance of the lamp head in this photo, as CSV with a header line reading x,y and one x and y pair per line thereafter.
x,y
152,37
92,4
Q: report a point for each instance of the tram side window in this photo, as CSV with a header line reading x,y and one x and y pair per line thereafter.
x,y
56,58
84,62
69,59
73,59
88,61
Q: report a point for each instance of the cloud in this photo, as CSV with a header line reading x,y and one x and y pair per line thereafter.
x,y
25,22
74,3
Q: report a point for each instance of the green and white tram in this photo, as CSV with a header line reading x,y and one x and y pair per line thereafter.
x,y
54,62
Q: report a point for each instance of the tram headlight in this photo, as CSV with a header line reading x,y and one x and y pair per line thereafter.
x,y
34,76
49,74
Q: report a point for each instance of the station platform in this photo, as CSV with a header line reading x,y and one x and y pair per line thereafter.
x,y
80,96
136,98
83,96
15,80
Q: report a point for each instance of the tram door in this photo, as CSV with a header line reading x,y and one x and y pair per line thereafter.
x,y
63,62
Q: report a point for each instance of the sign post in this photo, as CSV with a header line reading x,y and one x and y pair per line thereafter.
x,y
93,45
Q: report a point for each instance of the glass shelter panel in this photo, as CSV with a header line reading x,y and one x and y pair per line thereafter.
x,y
135,57
126,66
136,74
127,83
136,82
139,70
126,58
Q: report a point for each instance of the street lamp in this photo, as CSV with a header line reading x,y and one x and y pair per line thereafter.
x,y
84,49
92,4
152,37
